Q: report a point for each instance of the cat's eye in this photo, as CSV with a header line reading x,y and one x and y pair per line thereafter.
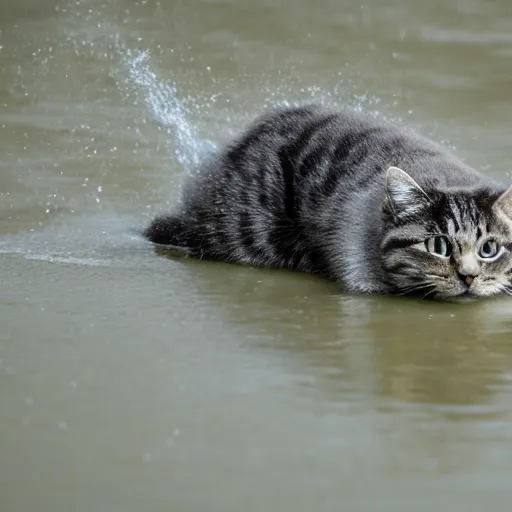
x,y
439,245
489,249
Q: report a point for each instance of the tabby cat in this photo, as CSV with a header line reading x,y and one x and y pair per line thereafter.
x,y
371,205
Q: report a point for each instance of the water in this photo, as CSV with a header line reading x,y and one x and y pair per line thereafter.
x,y
130,381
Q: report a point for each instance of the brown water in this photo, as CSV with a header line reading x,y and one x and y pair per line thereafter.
x,y
132,382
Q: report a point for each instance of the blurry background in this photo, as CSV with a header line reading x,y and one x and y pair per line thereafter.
x,y
134,382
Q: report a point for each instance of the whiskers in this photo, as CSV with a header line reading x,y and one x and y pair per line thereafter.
x,y
506,288
422,290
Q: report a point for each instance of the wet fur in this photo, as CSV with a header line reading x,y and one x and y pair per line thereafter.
x,y
305,188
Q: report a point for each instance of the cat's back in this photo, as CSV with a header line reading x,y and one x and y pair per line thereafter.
x,y
310,155
300,140
307,136
357,148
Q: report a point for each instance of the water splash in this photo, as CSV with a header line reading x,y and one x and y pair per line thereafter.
x,y
162,101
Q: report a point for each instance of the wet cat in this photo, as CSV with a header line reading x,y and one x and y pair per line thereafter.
x,y
373,206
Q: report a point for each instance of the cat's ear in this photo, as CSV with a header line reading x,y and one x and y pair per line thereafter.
x,y
404,195
504,203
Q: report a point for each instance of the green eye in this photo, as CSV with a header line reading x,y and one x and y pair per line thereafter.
x,y
439,245
489,249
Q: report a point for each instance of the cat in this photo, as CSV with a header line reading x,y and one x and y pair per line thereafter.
x,y
373,206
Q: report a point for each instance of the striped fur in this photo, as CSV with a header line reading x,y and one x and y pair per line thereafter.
x,y
305,188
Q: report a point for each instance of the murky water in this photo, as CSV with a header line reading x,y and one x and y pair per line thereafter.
x,y
132,382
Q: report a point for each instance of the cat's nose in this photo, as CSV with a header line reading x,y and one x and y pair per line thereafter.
x,y
466,278
468,269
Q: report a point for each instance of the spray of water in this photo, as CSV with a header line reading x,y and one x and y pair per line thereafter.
x,y
162,102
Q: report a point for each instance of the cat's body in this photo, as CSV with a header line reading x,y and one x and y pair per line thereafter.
x,y
310,189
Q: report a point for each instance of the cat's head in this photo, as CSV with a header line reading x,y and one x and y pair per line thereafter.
x,y
445,244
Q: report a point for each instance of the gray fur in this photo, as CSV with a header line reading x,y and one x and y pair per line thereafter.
x,y
310,189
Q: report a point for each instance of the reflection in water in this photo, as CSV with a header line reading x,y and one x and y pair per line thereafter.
x,y
402,351
456,362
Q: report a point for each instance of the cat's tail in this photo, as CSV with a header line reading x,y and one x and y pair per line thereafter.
x,y
169,231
